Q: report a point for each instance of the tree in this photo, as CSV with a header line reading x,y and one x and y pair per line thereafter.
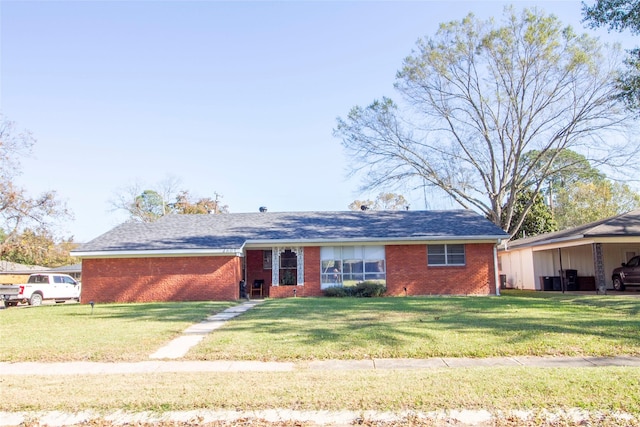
x,y
185,205
384,202
476,98
146,205
577,193
621,15
18,210
150,205
40,247
567,169
538,220
585,202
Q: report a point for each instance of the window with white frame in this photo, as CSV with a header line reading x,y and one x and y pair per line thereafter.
x,y
446,254
349,265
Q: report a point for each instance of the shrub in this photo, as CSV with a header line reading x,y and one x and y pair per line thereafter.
x,y
369,289
362,289
335,291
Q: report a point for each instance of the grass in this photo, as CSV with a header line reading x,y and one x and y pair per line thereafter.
x,y
298,329
108,333
493,389
302,329
519,323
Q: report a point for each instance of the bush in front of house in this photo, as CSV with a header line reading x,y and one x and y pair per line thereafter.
x,y
335,291
362,289
369,289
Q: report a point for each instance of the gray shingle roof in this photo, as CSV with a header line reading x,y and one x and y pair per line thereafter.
x,y
8,266
232,231
624,225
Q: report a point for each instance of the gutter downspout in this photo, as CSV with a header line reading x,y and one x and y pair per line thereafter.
x,y
495,268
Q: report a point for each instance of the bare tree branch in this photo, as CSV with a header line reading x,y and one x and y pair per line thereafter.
x,y
477,97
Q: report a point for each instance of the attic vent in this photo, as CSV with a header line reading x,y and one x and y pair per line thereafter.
x,y
263,209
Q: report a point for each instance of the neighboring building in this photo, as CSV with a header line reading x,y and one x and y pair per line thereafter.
x,y
73,270
204,257
12,272
591,251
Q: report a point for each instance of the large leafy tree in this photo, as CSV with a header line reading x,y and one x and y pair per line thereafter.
x,y
539,220
621,15
567,169
19,210
479,95
585,202
40,247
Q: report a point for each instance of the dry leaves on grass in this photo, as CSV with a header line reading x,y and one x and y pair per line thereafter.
x,y
537,419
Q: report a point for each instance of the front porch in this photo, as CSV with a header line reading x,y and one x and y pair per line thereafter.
x,y
276,272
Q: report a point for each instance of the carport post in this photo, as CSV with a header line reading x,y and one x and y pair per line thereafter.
x,y
495,269
598,264
561,270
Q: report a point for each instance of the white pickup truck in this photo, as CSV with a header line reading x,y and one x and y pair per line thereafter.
x,y
39,287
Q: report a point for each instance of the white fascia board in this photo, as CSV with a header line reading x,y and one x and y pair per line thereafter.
x,y
616,239
575,240
583,240
562,243
158,253
381,241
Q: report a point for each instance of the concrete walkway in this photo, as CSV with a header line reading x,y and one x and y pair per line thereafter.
x,y
102,368
180,346
164,360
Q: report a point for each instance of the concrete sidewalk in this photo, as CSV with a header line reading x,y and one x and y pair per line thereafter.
x,y
146,367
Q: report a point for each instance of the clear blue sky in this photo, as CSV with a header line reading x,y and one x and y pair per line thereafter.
x,y
238,98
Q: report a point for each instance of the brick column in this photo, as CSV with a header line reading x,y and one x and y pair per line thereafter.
x,y
598,263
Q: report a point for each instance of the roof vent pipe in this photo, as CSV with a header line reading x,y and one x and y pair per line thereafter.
x,y
263,209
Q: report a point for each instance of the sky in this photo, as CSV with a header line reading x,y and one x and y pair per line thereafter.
x,y
237,98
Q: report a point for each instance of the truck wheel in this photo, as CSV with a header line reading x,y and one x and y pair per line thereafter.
x,y
35,300
617,284
10,303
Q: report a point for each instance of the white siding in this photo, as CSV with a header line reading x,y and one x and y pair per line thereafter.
x,y
524,267
518,267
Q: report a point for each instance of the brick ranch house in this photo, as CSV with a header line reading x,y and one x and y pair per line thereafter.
x,y
205,257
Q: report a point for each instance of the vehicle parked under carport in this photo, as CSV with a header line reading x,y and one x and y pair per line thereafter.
x,y
628,274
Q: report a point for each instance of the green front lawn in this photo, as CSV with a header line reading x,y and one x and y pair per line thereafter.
x,y
109,332
517,323
302,329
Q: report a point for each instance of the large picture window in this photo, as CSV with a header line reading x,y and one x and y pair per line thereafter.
x,y
350,265
446,254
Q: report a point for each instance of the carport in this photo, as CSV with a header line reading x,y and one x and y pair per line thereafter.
x,y
591,251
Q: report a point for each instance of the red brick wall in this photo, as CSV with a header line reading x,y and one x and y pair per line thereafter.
x,y
255,271
217,278
161,279
407,267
